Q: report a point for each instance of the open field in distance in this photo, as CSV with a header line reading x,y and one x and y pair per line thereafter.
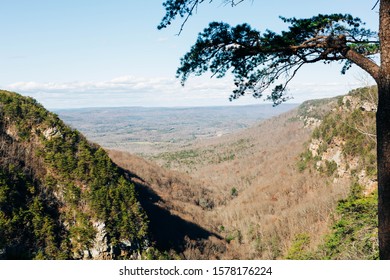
x,y
151,131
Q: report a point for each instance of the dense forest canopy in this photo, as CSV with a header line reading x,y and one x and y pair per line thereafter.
x,y
57,190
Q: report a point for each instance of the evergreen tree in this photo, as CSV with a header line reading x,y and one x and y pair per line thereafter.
x,y
260,60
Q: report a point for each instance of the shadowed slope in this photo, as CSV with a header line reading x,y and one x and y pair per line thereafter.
x,y
170,225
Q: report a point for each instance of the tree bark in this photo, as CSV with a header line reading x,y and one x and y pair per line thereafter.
x,y
383,132
383,154
363,62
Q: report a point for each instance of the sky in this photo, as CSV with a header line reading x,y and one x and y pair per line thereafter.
x,y
99,53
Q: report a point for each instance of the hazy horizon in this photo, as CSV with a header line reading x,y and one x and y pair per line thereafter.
x,y
69,54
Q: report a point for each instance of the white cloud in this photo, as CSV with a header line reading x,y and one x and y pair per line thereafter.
x,y
124,91
121,84
125,84
158,91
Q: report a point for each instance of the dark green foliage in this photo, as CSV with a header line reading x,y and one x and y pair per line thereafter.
x,y
154,254
120,209
82,232
234,192
23,111
354,234
260,60
64,180
28,222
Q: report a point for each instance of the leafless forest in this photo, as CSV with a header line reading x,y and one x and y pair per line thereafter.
x,y
229,187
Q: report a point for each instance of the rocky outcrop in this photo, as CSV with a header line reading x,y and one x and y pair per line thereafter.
x,y
351,103
51,132
59,192
100,247
311,122
330,155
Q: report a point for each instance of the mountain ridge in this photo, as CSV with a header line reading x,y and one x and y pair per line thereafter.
x,y
284,187
285,204
63,191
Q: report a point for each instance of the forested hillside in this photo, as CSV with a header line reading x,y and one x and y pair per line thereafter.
x,y
343,145
298,186
301,185
61,197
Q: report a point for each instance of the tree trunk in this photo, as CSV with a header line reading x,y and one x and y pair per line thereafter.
x,y
383,132
383,154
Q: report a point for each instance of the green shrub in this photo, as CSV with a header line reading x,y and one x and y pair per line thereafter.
x,y
297,250
354,233
331,167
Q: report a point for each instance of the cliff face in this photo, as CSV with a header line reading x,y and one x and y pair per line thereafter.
x,y
61,197
343,149
343,143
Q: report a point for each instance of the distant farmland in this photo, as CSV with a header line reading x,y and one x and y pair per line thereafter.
x,y
153,130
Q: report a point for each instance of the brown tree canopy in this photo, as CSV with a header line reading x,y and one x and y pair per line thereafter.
x,y
260,60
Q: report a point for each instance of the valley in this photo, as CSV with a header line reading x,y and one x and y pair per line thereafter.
x,y
143,130
298,183
243,186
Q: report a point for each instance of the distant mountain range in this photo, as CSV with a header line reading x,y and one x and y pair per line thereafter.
x,y
151,130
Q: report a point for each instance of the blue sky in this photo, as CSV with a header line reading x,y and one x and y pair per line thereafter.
x,y
86,53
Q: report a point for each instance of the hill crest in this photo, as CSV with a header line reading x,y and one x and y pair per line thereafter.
x,y
65,193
